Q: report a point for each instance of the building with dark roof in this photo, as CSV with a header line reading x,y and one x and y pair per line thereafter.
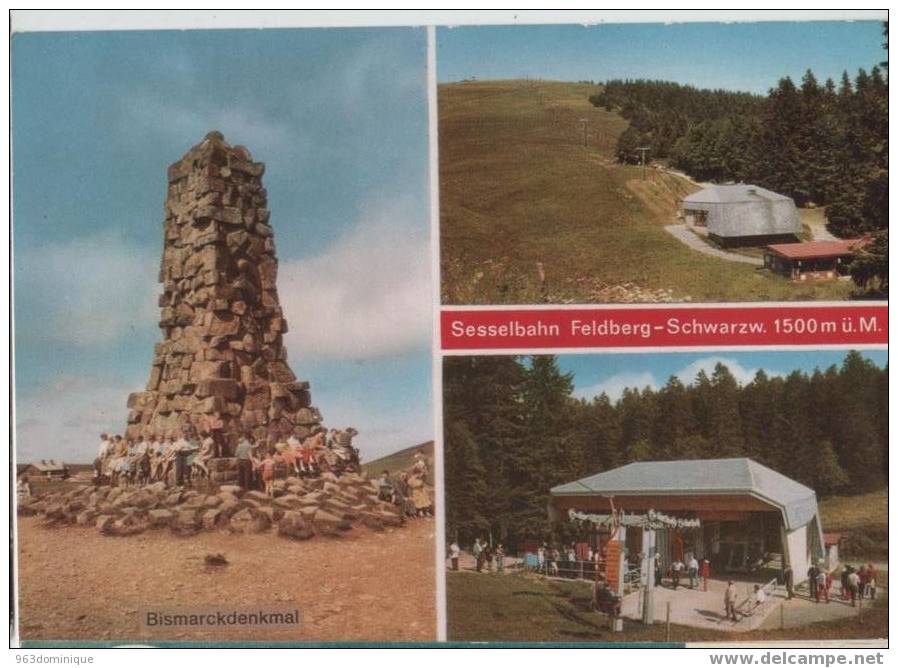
x,y
742,215
49,469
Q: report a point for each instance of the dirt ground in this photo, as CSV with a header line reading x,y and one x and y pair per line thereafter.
x,y
75,583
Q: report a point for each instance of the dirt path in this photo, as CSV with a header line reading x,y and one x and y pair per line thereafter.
x,y
817,227
682,233
78,584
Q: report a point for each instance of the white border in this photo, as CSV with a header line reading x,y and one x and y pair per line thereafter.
x,y
27,20
436,358
67,20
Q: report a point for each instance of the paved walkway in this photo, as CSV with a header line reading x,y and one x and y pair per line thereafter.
x,y
699,608
685,235
704,609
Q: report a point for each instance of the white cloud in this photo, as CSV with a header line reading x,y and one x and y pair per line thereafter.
x,y
368,295
615,385
63,419
743,374
87,291
148,114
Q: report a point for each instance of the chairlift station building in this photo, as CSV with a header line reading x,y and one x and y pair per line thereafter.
x,y
742,215
749,514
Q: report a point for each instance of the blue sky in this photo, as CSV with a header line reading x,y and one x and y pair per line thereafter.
x,y
736,56
340,119
611,373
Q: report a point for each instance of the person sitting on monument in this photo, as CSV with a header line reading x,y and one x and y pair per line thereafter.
x,y
166,458
123,461
307,456
385,486
287,454
199,460
102,455
140,460
185,449
105,448
342,448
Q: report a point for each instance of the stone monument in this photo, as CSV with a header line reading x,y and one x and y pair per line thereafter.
x,y
222,355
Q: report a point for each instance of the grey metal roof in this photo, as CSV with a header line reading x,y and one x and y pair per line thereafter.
x,y
745,211
740,192
702,476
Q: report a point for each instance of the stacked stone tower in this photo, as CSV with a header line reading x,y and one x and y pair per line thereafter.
x,y
222,349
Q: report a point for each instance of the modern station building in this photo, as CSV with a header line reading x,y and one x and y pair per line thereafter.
x,y
749,516
742,215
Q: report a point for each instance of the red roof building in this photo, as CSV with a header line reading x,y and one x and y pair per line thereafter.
x,y
812,259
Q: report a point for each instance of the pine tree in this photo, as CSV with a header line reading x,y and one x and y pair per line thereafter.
x,y
465,484
725,428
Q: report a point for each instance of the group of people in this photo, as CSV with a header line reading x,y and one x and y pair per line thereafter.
x,y
408,490
855,583
185,456
485,557
690,568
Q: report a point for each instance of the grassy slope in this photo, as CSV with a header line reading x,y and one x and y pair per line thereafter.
x,y
518,187
526,609
863,520
402,459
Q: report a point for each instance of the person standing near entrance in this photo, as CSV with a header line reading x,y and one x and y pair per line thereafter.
x,y
676,570
477,551
871,580
657,569
789,581
692,568
821,586
854,581
729,601
812,582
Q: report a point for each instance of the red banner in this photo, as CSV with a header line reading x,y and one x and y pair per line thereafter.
x,y
670,326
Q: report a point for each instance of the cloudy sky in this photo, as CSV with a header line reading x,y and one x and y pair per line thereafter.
x,y
340,119
595,374
736,56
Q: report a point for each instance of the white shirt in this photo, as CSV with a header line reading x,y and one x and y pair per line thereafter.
x,y
454,551
760,597
105,448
